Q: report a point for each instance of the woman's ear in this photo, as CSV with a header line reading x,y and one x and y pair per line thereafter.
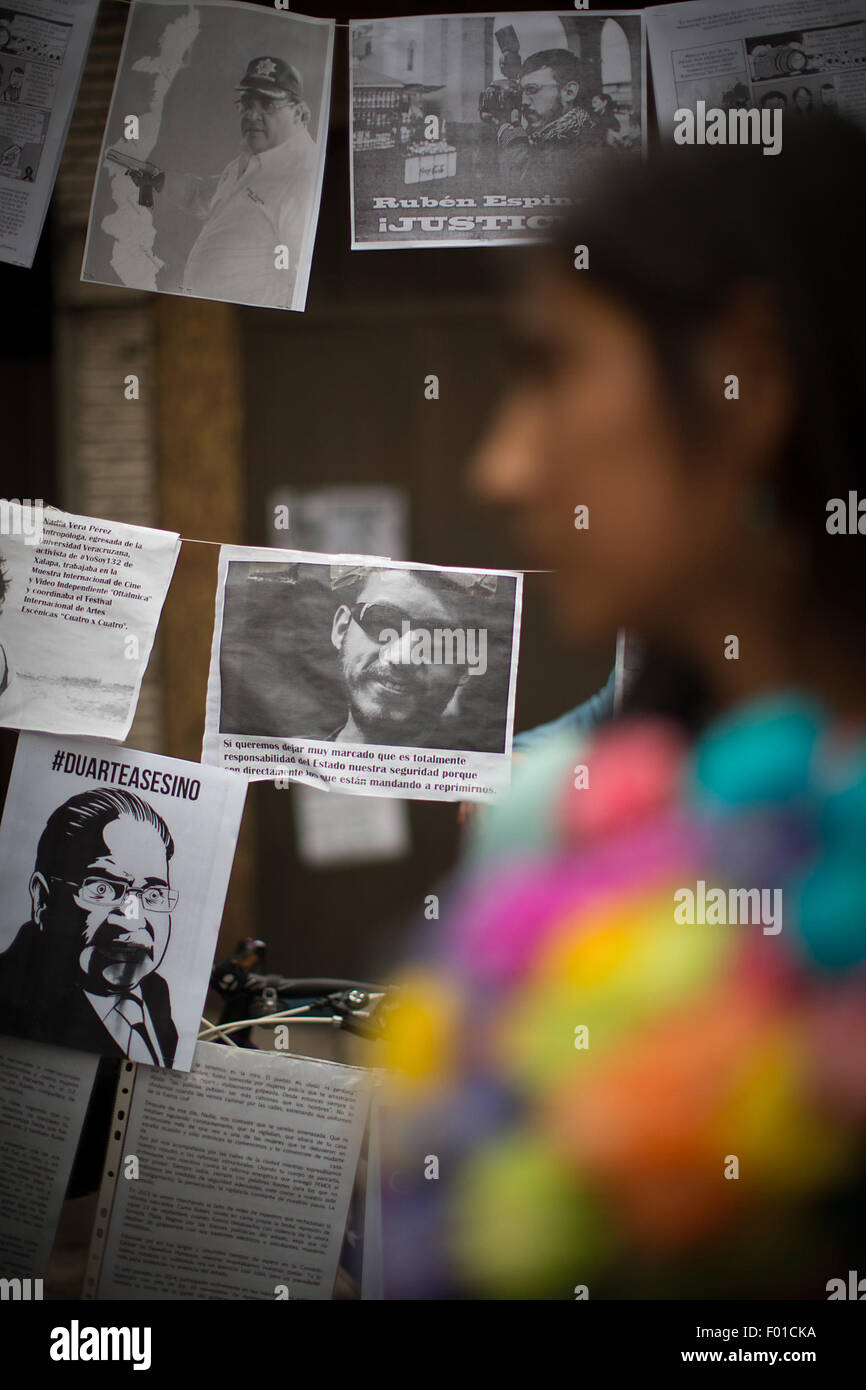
x,y
748,382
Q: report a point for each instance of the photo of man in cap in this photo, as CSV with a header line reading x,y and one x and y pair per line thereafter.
x,y
255,217
212,188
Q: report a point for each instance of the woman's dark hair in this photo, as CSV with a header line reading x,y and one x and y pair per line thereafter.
x,y
672,238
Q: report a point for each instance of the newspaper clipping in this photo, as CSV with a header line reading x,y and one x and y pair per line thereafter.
x,y
247,1166
363,675
43,45
80,600
113,872
211,169
43,1102
480,129
796,57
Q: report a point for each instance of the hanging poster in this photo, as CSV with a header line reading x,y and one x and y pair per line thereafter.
x,y
114,867
43,47
80,599
210,174
770,63
362,675
482,129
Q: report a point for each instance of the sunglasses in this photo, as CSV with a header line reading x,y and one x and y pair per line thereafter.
x,y
249,101
376,619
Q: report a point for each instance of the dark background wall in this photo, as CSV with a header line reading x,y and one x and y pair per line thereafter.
x,y
27,441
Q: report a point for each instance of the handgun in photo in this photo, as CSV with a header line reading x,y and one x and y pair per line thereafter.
x,y
146,177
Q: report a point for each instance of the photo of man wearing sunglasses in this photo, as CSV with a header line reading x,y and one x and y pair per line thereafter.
x,y
386,656
406,646
83,972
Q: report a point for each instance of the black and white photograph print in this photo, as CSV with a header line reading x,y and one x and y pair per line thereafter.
x,y
803,59
315,657
210,174
113,871
483,129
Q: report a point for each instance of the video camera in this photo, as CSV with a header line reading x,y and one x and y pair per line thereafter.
x,y
501,101
781,60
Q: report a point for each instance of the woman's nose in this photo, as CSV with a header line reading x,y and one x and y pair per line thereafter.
x,y
507,458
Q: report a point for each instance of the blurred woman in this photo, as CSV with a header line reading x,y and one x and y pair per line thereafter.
x,y
635,1043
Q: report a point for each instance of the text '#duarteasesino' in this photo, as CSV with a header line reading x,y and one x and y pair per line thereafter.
x,y
145,779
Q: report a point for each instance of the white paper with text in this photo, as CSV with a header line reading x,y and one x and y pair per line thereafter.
x,y
82,603
245,1169
44,1093
43,47
797,56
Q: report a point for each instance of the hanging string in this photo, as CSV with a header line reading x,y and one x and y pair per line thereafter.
x,y
194,540
292,14
191,540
